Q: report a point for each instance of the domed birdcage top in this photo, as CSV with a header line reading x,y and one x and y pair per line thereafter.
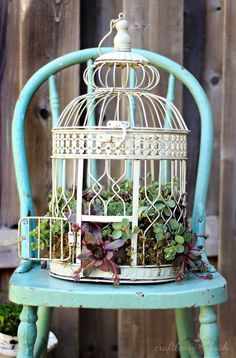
x,y
120,113
122,82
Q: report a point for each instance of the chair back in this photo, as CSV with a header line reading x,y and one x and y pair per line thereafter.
x,y
175,71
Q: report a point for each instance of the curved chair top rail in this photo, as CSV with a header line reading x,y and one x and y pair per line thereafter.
x,y
164,63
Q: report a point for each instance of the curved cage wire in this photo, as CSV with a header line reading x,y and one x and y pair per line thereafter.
x,y
118,156
124,94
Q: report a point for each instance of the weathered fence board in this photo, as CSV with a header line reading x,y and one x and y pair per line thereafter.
x,y
158,27
228,182
9,91
190,32
37,32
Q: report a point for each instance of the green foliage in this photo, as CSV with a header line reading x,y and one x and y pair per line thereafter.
x,y
42,233
165,239
121,230
9,318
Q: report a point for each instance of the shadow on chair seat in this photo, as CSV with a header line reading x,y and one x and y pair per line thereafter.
x,y
37,288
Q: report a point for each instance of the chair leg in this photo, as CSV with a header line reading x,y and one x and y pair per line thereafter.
x,y
184,324
43,327
27,332
209,333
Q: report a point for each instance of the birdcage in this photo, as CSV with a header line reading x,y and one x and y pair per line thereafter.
x,y
118,203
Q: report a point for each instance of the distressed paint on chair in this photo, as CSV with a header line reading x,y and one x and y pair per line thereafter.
x,y
48,291
27,331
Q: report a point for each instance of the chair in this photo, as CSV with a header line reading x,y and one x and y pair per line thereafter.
x,y
32,286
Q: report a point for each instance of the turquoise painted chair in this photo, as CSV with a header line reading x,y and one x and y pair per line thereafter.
x,y
38,292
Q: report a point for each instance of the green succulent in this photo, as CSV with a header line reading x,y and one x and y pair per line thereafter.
x,y
121,230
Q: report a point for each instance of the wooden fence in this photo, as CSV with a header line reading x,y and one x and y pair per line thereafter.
x,y
200,34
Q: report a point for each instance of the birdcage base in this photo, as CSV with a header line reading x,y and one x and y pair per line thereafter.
x,y
128,274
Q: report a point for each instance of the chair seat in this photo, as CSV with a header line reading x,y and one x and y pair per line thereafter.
x,y
37,288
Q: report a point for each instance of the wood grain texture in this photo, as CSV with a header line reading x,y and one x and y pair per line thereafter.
x,y
48,29
9,91
156,26
34,32
101,342
213,85
228,182
8,248
65,325
98,334
5,275
194,31
49,36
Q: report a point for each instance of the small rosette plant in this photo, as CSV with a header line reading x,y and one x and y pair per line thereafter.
x,y
163,236
99,254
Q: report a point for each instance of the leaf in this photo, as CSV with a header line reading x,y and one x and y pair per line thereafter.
x,y
171,203
136,230
97,234
160,235
174,224
160,205
98,263
142,210
117,226
114,244
88,238
89,269
167,212
116,234
180,229
170,249
85,254
180,249
125,222
109,255
111,266
179,239
188,237
125,235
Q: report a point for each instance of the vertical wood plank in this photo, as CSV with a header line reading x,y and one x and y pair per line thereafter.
x,y
228,182
212,83
98,333
156,26
39,32
9,91
5,275
194,32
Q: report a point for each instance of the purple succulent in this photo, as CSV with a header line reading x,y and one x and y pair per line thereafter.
x,y
98,254
191,260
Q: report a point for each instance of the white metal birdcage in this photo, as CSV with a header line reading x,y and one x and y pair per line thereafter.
x,y
118,173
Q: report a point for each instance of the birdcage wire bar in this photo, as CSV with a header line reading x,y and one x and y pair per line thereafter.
x,y
117,131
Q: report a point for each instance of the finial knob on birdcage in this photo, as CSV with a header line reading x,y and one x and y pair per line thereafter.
x,y
122,41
